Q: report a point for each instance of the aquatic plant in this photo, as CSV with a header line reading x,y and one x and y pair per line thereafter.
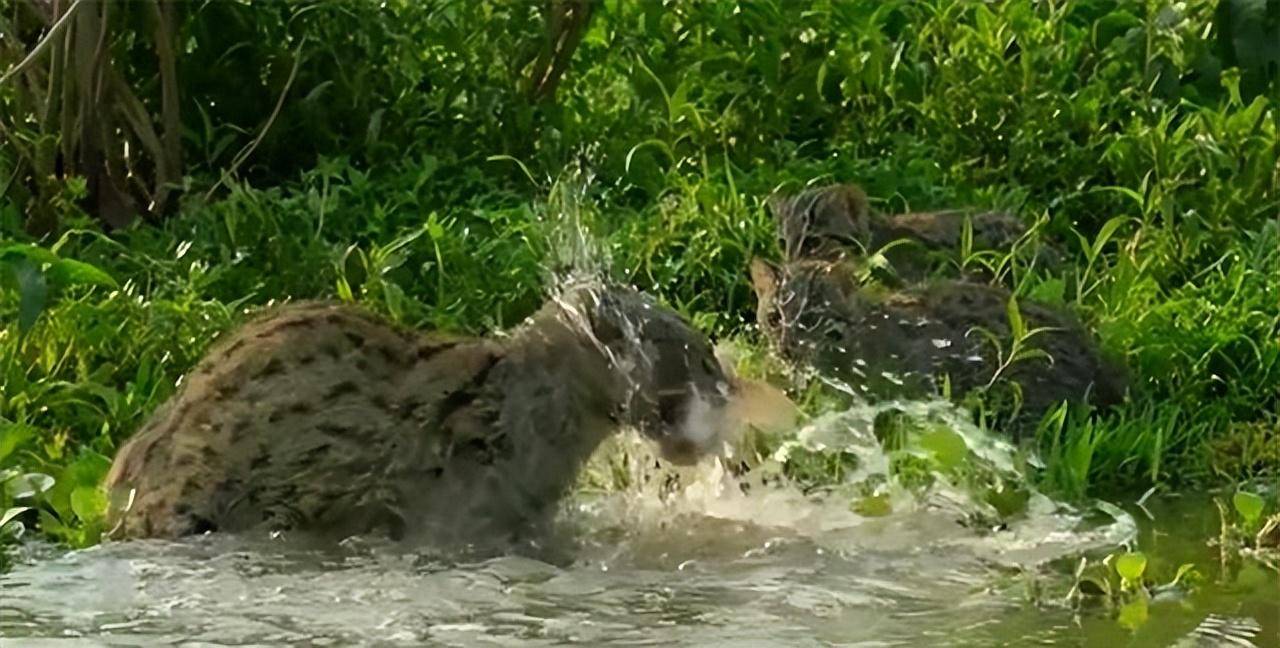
x,y
1121,582
1249,527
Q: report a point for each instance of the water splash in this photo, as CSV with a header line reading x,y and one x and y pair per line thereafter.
x,y
869,505
575,254
860,498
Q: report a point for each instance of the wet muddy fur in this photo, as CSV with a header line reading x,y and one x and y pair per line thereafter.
x,y
887,342
837,221
324,418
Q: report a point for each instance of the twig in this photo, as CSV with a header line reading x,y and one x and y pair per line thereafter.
x,y
248,150
168,167
17,168
45,42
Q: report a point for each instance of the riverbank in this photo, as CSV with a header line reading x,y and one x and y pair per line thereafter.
x,y
431,189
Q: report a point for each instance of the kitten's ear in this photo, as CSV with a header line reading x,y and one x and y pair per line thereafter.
x,y
779,206
784,222
857,207
764,278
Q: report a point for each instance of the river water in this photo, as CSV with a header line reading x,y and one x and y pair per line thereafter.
x,y
673,557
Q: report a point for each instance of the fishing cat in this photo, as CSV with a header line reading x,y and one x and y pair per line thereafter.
x,y
888,343
899,339
324,418
834,221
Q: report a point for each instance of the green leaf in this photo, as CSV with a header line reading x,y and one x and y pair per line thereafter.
x,y
1051,291
1183,570
32,292
1008,500
88,469
873,506
12,513
12,436
1105,233
29,485
1115,25
1248,505
1131,566
88,503
1016,325
947,447
659,144
1030,354
33,253
51,525
1134,614
344,291
69,272
375,127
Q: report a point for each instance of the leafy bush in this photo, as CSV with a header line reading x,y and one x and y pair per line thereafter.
x,y
393,154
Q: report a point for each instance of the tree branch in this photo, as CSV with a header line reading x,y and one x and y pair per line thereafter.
x,y
47,41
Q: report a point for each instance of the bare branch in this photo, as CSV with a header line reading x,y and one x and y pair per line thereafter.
x,y
46,42
169,162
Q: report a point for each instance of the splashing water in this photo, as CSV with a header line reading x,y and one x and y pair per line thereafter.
x,y
574,254
848,531
660,556
951,514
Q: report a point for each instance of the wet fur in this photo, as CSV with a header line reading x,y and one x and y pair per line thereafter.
x,y
900,340
831,222
324,418
818,316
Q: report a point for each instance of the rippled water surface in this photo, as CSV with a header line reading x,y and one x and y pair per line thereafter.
x,y
708,564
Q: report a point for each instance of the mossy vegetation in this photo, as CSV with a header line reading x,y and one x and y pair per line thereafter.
x,y
433,161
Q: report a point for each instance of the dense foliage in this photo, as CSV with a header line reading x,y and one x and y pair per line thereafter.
x,y
397,154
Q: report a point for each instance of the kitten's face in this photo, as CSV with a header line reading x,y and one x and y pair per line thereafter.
x,y
686,414
824,222
800,303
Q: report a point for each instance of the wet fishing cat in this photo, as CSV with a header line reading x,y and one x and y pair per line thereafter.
x,y
324,418
834,221
899,339
888,343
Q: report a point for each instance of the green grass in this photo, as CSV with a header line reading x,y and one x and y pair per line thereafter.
x,y
407,171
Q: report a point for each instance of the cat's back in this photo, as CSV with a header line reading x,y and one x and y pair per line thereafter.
x,y
295,400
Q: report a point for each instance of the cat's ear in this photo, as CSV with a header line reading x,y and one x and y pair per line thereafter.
x,y
765,277
841,218
857,209
779,206
823,222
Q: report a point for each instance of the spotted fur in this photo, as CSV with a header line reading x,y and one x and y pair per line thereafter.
x,y
325,418
835,221
888,343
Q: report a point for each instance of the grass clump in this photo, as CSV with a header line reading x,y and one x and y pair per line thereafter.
x,y
410,165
